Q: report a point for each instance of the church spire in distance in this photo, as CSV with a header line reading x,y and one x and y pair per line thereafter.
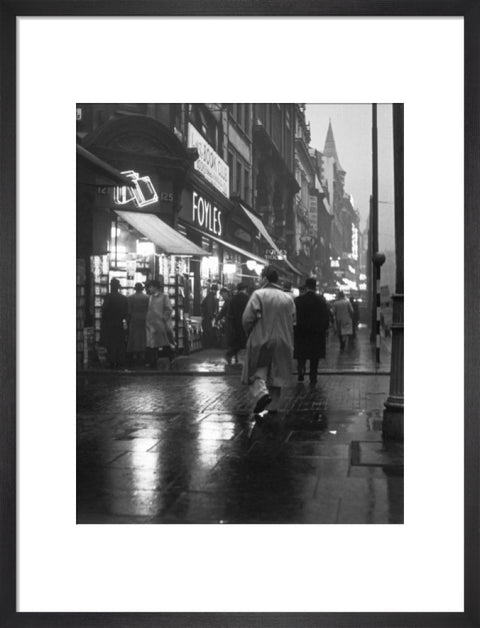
x,y
330,149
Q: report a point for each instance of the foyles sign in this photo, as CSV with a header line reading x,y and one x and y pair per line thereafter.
x,y
213,168
206,215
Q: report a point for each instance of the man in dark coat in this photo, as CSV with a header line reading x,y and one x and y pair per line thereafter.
x,y
310,331
113,323
236,339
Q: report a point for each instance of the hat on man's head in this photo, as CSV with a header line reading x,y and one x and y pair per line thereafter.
x,y
139,286
114,282
311,283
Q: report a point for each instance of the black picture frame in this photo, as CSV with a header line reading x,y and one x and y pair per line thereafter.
x,y
9,11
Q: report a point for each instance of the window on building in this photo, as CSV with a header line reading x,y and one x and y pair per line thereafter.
x,y
240,115
247,119
246,185
261,113
277,126
206,124
238,182
231,171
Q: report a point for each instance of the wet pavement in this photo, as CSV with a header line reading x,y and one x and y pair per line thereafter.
x,y
185,449
360,358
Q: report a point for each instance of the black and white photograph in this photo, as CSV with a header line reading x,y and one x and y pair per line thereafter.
x,y
204,364
239,313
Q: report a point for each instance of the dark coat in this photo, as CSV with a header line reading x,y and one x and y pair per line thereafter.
x,y
114,312
137,324
312,323
236,334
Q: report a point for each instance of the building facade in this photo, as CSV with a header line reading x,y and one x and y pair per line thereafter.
x,y
345,219
195,195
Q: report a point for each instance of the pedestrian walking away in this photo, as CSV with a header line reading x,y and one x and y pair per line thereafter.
x,y
113,325
137,325
312,321
209,309
236,338
343,316
355,316
222,322
159,331
268,321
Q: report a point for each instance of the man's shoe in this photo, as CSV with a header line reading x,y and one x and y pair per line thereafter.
x,y
262,403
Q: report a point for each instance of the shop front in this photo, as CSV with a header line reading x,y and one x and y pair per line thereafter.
x,y
128,227
213,223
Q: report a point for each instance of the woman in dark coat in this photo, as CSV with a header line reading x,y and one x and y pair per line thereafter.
x,y
310,331
112,330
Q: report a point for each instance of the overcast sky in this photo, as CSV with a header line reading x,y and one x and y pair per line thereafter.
x,y
352,130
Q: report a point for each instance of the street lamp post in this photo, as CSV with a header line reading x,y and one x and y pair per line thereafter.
x,y
394,406
378,261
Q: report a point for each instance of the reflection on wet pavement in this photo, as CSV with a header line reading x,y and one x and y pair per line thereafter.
x,y
359,358
166,450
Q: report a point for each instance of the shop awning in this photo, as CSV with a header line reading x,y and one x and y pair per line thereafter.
x,y
233,247
293,269
102,167
167,239
263,230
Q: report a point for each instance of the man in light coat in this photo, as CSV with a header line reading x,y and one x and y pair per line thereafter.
x,y
343,315
158,322
268,321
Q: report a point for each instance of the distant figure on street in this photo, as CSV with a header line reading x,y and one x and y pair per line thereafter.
x,y
137,325
236,338
221,319
355,316
343,316
113,324
310,331
209,309
268,321
159,333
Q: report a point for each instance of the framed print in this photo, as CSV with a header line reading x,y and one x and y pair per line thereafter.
x,y
195,199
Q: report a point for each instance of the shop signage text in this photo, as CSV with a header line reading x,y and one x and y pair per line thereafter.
x,y
211,165
276,254
206,215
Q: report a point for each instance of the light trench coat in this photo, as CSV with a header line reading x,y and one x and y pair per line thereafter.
x,y
268,321
158,318
343,312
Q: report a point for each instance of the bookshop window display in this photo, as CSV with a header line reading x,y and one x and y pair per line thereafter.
x,y
131,258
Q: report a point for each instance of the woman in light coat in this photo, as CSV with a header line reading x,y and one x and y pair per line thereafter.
x,y
158,324
268,321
